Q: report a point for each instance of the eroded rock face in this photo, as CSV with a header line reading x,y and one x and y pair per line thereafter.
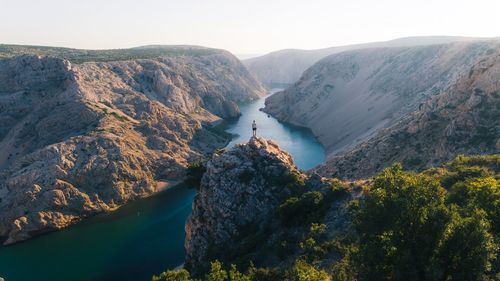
x,y
464,119
80,139
347,98
241,187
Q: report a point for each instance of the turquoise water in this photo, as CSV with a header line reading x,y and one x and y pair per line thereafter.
x,y
132,243
306,151
144,237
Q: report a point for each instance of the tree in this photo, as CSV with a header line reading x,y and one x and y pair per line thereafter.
x,y
401,223
466,248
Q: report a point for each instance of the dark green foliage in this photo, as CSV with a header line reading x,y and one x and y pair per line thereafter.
x,y
292,180
411,228
314,245
482,193
403,217
306,208
195,172
466,249
462,173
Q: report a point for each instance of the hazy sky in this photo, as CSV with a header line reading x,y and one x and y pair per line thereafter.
x,y
252,26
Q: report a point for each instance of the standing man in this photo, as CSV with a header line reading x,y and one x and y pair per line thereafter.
x,y
254,128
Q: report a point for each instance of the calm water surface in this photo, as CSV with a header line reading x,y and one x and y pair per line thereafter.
x,y
307,152
143,237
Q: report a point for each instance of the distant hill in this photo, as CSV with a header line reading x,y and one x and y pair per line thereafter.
x,y
80,55
286,66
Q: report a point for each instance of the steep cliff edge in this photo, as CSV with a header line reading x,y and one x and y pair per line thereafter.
x,y
235,192
78,139
250,198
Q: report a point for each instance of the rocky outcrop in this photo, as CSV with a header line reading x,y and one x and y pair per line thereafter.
x,y
78,139
240,188
238,200
464,119
347,98
285,67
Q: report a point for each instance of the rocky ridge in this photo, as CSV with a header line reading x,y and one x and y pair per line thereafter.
x,y
78,139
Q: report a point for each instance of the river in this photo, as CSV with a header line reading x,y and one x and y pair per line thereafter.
x,y
144,237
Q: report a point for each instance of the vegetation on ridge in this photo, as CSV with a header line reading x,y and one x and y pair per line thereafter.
x,y
81,56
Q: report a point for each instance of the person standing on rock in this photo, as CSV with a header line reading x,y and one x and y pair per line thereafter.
x,y
254,128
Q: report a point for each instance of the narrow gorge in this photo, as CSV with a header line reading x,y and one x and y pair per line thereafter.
x,y
380,156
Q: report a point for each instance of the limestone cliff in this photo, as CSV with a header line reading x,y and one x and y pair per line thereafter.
x,y
464,119
235,212
78,139
347,98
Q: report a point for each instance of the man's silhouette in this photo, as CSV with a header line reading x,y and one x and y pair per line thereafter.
x,y
254,128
